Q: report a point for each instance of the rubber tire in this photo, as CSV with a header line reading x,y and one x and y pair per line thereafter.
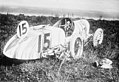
x,y
98,32
72,47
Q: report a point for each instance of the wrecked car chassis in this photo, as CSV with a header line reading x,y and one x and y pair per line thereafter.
x,y
66,38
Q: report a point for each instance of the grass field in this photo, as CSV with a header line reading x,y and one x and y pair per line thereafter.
x,y
49,70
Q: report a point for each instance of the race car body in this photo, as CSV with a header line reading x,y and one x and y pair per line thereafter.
x,y
71,28
65,35
36,41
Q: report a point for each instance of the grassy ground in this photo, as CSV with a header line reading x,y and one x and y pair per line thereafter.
x,y
81,70
47,70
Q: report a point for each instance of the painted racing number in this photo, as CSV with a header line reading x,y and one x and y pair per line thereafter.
x,y
22,29
45,41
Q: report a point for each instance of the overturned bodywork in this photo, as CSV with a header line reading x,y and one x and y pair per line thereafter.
x,y
65,37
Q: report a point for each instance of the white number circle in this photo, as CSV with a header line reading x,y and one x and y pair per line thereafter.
x,y
98,37
22,29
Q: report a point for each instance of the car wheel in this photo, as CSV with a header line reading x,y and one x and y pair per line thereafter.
x,y
76,47
98,37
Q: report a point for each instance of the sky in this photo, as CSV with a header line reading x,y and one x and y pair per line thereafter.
x,y
106,6
99,5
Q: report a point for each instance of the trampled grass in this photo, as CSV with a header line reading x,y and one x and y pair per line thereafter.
x,y
47,70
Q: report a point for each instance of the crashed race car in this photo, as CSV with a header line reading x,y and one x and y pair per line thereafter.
x,y
65,37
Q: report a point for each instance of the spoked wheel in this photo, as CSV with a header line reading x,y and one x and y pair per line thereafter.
x,y
68,26
76,47
98,37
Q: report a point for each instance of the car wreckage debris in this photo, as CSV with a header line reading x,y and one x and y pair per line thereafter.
x,y
103,63
60,52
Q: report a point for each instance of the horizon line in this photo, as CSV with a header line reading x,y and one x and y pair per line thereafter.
x,y
61,16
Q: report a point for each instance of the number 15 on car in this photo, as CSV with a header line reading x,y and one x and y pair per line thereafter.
x,y
44,42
